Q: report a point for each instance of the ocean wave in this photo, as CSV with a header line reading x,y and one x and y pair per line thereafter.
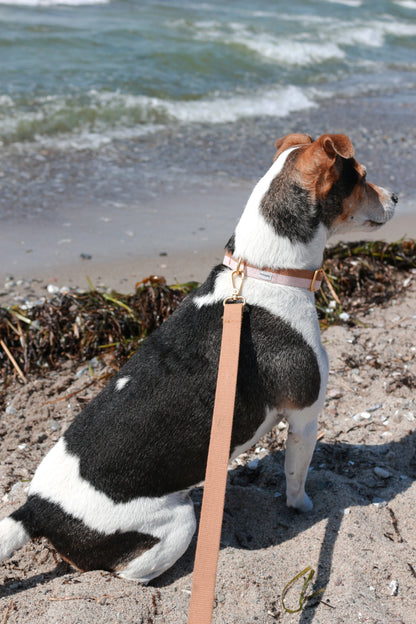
x,y
51,3
282,49
104,116
406,4
328,42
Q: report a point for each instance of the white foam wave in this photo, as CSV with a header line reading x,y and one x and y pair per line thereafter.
x,y
283,50
278,102
350,3
120,115
49,3
295,52
407,4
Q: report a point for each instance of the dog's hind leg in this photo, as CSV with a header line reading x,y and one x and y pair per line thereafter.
x,y
174,538
301,440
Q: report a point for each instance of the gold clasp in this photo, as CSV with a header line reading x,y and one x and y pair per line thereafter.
x,y
238,273
317,276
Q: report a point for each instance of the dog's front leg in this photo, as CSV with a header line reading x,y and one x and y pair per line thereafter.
x,y
301,440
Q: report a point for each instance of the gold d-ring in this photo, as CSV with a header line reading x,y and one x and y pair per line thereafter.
x,y
236,288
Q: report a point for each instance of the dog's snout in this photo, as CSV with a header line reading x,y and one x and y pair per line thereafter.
x,y
394,198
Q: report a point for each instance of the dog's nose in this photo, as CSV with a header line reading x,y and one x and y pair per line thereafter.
x,y
394,198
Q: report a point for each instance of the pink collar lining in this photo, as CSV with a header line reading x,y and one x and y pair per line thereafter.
x,y
311,280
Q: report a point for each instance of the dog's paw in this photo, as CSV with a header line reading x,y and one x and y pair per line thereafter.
x,y
301,503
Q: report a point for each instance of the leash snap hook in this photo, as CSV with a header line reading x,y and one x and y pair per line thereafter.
x,y
237,279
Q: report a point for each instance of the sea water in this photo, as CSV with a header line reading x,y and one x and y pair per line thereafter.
x,y
138,126
81,72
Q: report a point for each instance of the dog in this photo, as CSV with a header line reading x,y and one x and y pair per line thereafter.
x,y
113,492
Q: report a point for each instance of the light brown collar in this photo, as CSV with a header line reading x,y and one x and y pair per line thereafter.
x,y
311,280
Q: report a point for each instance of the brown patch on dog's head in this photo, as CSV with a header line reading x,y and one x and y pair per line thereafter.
x,y
321,181
291,140
322,164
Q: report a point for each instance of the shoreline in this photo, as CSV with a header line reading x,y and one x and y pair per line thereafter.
x,y
168,202
121,268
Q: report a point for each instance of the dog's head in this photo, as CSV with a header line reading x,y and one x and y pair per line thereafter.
x,y
321,182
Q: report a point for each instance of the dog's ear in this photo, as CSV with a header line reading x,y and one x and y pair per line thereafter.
x,y
290,140
319,166
336,145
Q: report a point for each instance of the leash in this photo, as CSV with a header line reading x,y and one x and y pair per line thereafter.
x,y
209,534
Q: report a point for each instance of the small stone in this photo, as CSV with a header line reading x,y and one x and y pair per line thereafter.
x,y
394,587
10,410
253,464
85,256
381,472
362,416
344,316
52,289
335,393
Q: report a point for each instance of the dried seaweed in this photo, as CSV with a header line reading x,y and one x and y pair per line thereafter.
x,y
79,327
363,274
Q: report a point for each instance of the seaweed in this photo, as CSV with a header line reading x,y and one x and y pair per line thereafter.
x,y
362,274
81,326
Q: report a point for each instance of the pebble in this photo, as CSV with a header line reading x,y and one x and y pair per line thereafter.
x,y
381,472
10,410
362,416
52,289
253,464
394,587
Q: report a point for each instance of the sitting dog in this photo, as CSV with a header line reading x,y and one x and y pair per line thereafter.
x,y
113,492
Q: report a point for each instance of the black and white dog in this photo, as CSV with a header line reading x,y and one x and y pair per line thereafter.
x,y
112,493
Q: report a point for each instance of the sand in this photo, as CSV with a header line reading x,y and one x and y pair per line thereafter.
x,y
359,539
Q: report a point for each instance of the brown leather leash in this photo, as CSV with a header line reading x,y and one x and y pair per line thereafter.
x,y
206,557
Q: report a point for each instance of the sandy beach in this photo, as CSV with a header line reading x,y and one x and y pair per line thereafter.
x,y
359,539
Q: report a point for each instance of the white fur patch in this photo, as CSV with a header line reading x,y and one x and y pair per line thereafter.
x,y
122,382
258,243
170,518
12,536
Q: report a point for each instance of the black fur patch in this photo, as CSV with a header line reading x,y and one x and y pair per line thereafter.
x,y
288,208
332,207
151,438
230,246
81,546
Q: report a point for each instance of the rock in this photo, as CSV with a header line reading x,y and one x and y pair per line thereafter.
x,y
394,587
11,411
362,416
253,464
381,472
